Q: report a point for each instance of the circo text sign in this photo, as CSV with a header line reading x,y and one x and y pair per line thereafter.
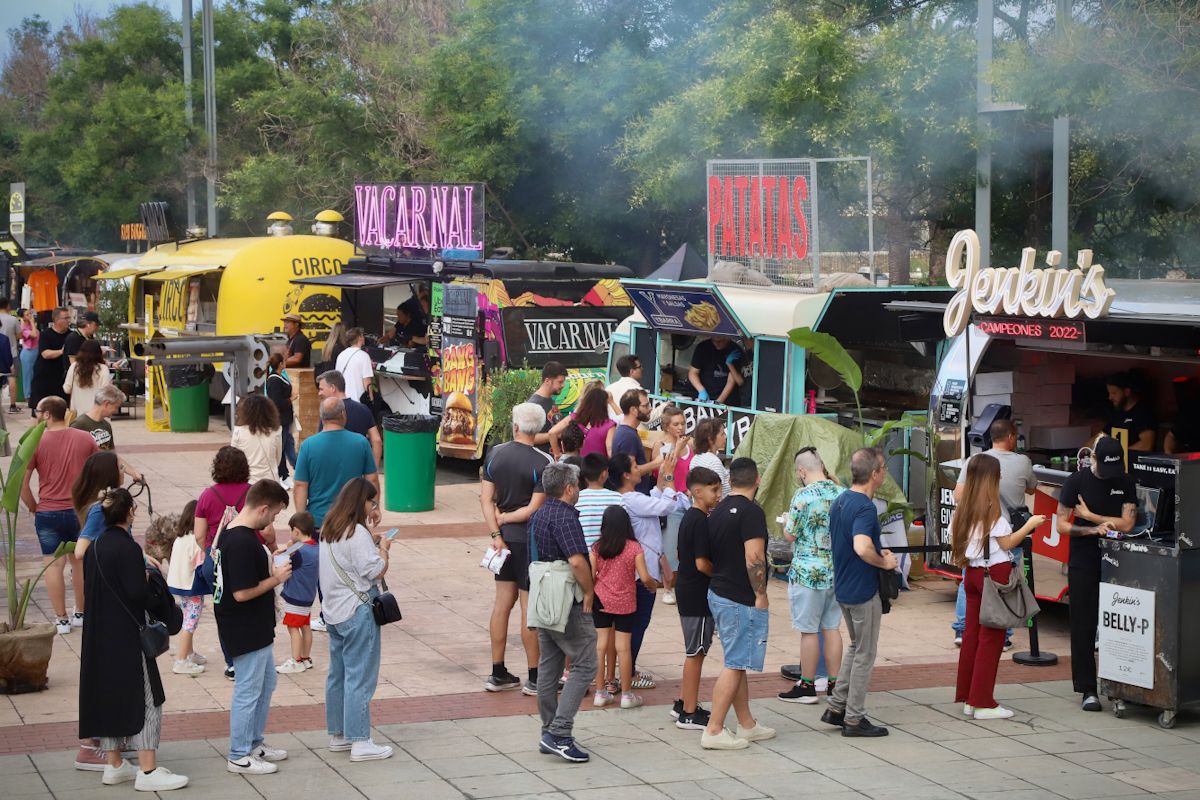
x,y
1055,330
1026,291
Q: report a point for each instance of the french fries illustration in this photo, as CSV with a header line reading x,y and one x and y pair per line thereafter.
x,y
703,316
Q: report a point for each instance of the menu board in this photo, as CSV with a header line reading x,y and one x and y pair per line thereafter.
x,y
699,311
1127,635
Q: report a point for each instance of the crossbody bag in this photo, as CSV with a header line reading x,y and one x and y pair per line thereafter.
x,y
153,634
384,607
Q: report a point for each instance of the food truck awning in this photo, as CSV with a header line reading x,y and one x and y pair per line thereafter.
x,y
356,280
125,272
178,273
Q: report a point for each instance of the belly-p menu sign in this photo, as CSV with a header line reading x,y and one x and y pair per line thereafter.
x,y
1127,635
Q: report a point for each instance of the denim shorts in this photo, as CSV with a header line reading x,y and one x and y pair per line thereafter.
x,y
743,632
54,528
813,610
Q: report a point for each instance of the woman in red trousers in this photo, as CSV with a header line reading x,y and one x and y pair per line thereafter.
x,y
981,515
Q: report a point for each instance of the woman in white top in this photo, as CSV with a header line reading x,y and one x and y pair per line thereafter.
x,y
981,538
355,365
258,435
85,376
708,440
352,561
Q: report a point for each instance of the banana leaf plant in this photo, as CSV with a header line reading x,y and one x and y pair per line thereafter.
x,y
10,500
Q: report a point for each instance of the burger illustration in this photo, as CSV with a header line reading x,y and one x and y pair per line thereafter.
x,y
319,313
458,422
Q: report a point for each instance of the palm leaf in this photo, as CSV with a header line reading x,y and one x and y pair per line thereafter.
x,y
831,352
16,468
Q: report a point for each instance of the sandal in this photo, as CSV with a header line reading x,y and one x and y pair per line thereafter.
x,y
644,680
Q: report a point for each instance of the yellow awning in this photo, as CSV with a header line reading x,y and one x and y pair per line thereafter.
x,y
179,273
124,272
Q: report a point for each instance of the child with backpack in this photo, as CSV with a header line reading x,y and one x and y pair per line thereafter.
x,y
187,584
617,562
299,592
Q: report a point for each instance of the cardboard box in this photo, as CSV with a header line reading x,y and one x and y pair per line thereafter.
x,y
1057,373
1012,381
1052,394
1059,437
1046,417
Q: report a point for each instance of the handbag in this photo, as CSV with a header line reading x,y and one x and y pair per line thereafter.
x,y
384,607
153,635
889,588
1007,605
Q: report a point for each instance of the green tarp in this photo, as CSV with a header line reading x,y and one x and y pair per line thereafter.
x,y
772,442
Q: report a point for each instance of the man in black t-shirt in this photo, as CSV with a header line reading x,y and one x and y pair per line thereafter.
x,y
299,348
511,491
714,373
554,378
244,604
89,323
1091,504
737,597
691,595
359,418
50,369
1131,421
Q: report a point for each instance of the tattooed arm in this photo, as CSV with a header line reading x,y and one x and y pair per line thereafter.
x,y
1077,527
756,569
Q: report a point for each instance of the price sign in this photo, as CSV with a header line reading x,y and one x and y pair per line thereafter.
x,y
1127,635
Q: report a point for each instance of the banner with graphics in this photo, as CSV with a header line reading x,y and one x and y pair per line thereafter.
x,y
574,336
458,378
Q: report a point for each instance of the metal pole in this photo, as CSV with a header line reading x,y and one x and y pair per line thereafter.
x,y
815,233
188,115
1059,238
210,115
871,221
1033,657
983,154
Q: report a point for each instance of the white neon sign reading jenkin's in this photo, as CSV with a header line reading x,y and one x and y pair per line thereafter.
x,y
1021,291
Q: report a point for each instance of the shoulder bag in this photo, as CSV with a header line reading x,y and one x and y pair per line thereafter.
x,y
1007,605
384,607
153,634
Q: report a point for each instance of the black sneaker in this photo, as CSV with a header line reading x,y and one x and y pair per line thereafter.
x,y
1091,702
804,693
677,709
502,683
829,688
229,674
562,746
835,718
696,721
864,728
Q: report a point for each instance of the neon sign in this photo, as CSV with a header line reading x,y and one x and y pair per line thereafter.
x,y
758,217
423,219
1021,291
1066,330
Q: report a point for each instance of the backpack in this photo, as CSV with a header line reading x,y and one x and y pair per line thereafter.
x,y
208,570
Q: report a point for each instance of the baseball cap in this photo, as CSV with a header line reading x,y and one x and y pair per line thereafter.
x,y
1109,458
90,316
291,318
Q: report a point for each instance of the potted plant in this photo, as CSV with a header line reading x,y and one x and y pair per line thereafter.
x,y
24,649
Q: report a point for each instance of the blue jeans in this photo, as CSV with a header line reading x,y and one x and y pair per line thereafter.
x,y
353,675
289,452
252,690
641,620
28,359
55,528
743,631
960,610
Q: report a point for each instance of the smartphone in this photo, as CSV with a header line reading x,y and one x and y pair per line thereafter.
x,y
391,534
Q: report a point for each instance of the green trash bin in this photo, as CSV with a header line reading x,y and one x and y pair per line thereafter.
x,y
409,461
187,396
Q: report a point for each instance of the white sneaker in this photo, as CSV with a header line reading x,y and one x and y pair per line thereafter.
x,y
630,700
369,751
268,753
160,780
602,699
339,744
249,765
968,710
122,774
722,741
62,625
999,712
958,641
317,624
669,597
756,734
77,619
187,667
290,667
196,658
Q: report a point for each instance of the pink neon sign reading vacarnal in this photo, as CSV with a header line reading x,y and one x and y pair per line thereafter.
x,y
419,216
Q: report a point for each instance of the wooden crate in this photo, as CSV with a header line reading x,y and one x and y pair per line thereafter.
x,y
308,405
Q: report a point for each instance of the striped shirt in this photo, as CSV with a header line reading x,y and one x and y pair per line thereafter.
x,y
591,505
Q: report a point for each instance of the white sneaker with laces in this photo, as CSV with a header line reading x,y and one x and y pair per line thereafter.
x,y
317,624
999,712
267,753
756,734
251,766
339,744
630,700
968,710
722,741
77,619
62,625
369,751
290,667
196,658
187,667
160,780
669,597
122,774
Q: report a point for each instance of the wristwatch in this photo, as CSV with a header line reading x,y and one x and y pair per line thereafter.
x,y
495,534
669,477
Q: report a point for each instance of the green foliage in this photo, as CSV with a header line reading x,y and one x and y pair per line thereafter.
x,y
10,489
112,304
509,387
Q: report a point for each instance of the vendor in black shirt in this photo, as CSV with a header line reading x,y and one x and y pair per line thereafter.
x,y
714,373
1131,421
412,327
1092,503
299,348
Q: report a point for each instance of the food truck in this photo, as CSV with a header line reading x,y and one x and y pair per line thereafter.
x,y
482,315
1039,346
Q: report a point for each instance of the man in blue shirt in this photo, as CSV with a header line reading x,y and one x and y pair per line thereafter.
x,y
635,409
329,460
556,535
857,558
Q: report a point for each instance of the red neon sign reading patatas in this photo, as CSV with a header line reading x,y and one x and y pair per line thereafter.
x,y
1024,290
756,216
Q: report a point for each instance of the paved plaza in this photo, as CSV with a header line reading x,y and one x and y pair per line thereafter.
x,y
454,740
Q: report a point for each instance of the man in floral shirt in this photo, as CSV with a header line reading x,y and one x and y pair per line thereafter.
x,y
815,610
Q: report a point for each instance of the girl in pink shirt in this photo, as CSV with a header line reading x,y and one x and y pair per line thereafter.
x,y
617,561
